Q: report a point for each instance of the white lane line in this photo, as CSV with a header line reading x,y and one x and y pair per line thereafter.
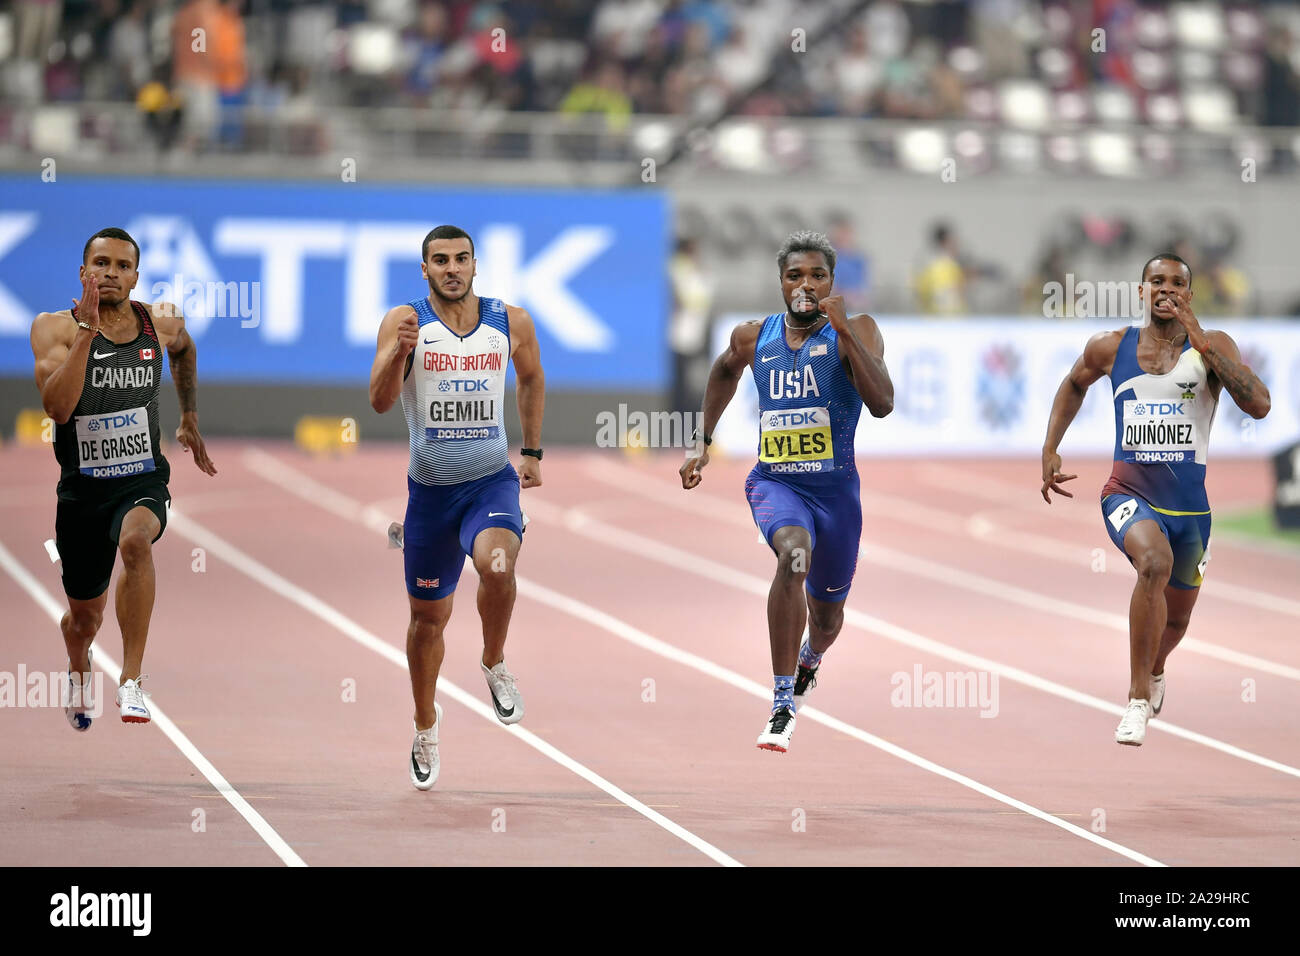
x,y
285,477
979,584
685,561
620,476
252,568
995,489
979,525
173,733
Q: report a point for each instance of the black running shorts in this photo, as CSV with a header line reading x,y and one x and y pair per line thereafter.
x,y
86,533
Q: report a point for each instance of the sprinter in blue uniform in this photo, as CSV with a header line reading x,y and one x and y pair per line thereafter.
x,y
1166,377
814,368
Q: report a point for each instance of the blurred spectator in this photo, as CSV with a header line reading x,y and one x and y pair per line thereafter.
x,y
1281,87
425,48
688,330
857,76
1051,268
230,67
195,70
128,51
161,109
852,267
603,92
37,27
1220,289
941,280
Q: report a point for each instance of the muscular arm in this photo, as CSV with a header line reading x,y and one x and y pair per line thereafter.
x,y
723,379
389,368
169,324
62,350
181,354
530,381
1097,359
726,372
863,351
1223,359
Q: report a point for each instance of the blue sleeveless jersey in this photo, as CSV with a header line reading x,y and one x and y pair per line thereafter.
x,y
1162,430
808,408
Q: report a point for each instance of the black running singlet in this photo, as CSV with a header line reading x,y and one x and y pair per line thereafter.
x,y
112,441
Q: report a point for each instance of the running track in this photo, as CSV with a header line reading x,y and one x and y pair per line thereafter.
x,y
626,580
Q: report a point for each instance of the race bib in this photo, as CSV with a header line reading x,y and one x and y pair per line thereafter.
x,y
1159,431
796,436
114,444
460,419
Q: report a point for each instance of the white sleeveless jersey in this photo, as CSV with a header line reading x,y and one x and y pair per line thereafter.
x,y
453,397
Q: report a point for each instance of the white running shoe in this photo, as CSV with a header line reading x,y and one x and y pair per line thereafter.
x,y
776,735
1157,693
506,700
424,753
78,703
1132,729
130,697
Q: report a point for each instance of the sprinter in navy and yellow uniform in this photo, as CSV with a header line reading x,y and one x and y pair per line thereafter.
x,y
814,368
1165,377
99,368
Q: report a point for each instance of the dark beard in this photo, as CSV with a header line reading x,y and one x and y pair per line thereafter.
x,y
442,298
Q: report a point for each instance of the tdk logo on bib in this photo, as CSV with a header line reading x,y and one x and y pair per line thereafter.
x,y
1158,408
791,419
112,421
464,385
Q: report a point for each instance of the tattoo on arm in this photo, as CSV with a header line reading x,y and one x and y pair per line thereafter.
x,y
184,373
1242,384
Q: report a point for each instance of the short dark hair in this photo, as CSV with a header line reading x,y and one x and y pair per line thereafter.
x,y
1172,257
806,241
444,232
112,232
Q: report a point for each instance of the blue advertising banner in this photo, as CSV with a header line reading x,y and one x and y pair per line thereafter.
x,y
287,282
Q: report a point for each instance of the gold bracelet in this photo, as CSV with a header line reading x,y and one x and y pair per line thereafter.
x,y
87,326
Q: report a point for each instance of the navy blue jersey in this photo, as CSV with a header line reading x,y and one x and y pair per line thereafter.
x,y
808,408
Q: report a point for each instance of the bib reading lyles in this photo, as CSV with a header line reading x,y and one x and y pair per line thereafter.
x,y
796,434
114,444
1156,431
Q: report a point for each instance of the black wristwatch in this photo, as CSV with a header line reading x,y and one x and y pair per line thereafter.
x,y
532,452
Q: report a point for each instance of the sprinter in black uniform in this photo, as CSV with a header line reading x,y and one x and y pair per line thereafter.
x,y
99,366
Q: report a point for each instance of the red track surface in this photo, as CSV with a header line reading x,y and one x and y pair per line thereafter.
x,y
962,553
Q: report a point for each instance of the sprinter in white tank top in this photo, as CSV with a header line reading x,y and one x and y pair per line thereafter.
x,y
445,358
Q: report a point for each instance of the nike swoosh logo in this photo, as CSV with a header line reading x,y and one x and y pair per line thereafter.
x,y
138,500
105,355
840,588
769,358
497,514
416,767
431,341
